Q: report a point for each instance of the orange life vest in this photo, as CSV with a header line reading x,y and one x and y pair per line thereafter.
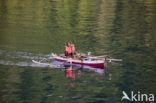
x,y
68,49
72,47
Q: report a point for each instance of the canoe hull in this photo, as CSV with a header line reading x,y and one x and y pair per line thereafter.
x,y
89,63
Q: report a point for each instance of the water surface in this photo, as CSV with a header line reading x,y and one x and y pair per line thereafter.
x,y
33,29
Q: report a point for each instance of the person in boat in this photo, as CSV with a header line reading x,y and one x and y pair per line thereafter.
x,y
73,51
88,56
68,50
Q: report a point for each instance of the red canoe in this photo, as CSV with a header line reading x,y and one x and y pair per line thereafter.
x,y
89,62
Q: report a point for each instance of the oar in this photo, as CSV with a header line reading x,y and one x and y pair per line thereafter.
x,y
109,59
96,58
116,60
101,56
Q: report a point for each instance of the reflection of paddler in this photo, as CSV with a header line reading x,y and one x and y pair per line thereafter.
x,y
70,73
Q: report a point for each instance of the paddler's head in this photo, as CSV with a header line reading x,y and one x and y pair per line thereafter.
x,y
68,44
89,53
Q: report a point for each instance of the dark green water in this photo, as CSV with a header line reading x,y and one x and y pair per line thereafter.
x,y
33,29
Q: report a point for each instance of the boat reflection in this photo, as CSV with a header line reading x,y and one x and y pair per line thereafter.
x,y
75,71
71,72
